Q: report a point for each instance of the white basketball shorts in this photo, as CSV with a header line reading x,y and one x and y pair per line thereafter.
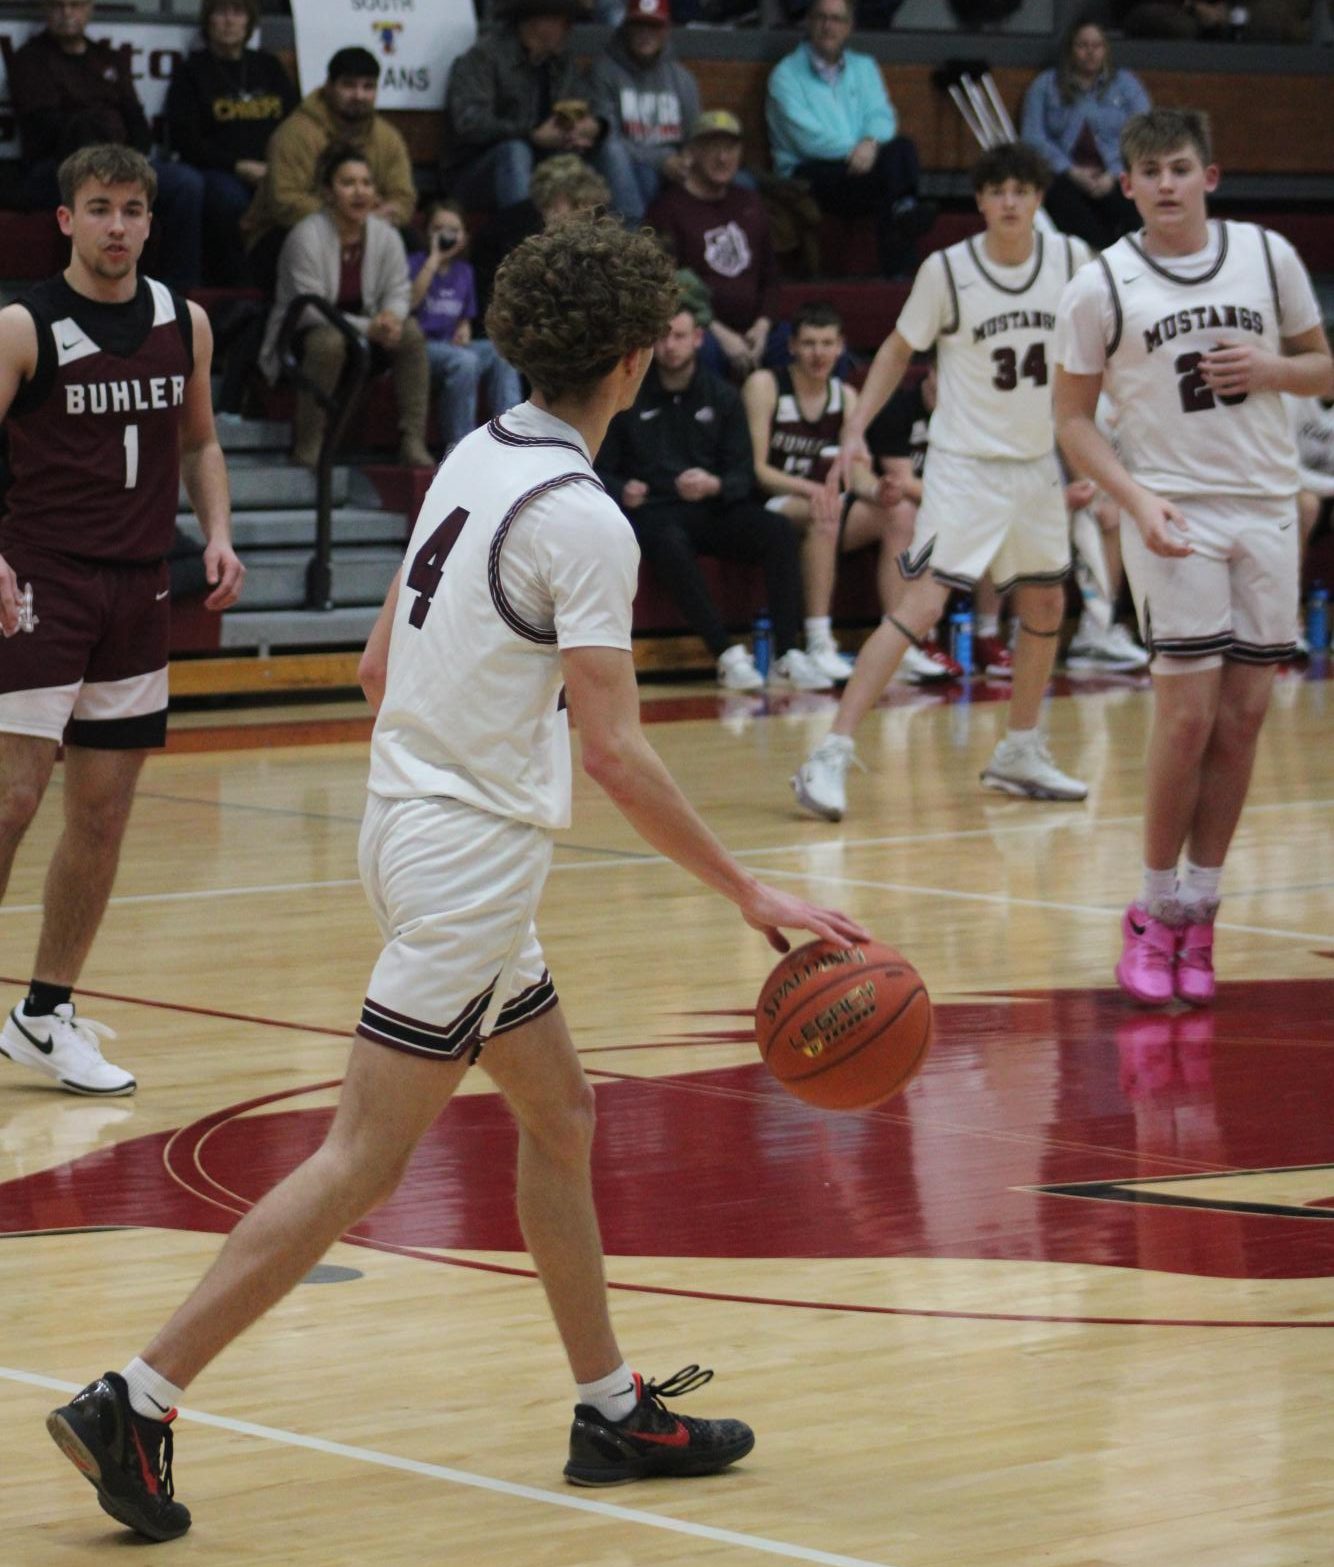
x,y
1235,595
454,890
982,513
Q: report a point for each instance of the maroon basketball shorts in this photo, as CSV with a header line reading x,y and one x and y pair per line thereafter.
x,y
88,664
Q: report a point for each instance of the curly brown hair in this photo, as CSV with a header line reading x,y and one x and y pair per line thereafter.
x,y
570,302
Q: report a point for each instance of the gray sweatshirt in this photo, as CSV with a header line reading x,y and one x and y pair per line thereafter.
x,y
651,109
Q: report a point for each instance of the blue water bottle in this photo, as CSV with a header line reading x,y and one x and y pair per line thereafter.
x,y
961,636
762,643
1317,617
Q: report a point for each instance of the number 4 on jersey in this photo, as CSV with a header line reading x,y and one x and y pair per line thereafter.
x,y
428,564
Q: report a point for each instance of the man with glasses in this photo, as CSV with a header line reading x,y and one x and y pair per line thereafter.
x,y
832,125
70,91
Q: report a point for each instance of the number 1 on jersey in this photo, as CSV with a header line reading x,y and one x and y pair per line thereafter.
x,y
428,564
131,456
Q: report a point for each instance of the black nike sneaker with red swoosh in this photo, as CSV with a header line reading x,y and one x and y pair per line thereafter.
x,y
123,1455
651,1440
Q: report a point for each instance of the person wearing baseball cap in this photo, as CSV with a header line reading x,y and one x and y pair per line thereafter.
x,y
719,229
648,100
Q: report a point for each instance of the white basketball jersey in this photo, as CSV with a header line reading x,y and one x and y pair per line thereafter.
x,y
517,553
994,331
1175,435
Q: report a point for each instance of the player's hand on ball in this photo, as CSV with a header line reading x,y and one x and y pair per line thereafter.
x,y
1162,527
770,912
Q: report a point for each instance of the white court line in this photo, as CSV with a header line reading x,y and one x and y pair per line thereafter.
x,y
527,1493
1101,911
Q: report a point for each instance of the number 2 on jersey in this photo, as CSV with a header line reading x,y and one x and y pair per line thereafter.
x,y
428,564
1194,391
1008,368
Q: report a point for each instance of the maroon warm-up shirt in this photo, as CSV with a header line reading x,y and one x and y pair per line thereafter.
x,y
727,243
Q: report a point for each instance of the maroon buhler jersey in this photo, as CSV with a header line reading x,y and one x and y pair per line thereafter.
x,y
799,445
94,436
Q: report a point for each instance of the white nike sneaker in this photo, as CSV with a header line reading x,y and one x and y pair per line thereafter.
x,y
64,1047
1112,649
829,659
797,671
926,666
820,783
737,671
1029,771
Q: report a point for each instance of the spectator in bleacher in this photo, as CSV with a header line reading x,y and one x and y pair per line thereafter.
x,y
224,103
797,415
647,98
562,187
679,465
1073,114
351,256
341,110
1263,21
519,96
444,302
70,92
832,125
720,230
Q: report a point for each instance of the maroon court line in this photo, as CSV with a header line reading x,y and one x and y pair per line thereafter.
x,y
200,1130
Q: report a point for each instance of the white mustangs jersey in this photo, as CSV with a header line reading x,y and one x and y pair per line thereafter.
x,y
1143,324
518,553
994,328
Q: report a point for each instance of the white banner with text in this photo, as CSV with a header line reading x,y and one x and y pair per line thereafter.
x,y
415,41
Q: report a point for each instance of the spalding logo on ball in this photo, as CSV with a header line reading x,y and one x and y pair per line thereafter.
x,y
844,1028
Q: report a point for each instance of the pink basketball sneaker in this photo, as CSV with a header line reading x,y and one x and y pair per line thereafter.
x,y
1147,957
1195,964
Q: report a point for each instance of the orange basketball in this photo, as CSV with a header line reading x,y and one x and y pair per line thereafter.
x,y
843,1027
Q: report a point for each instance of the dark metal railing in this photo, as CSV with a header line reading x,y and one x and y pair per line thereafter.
x,y
338,406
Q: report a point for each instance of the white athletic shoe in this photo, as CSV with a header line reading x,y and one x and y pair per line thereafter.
x,y
1029,771
64,1047
820,783
921,666
798,671
829,659
737,671
1112,649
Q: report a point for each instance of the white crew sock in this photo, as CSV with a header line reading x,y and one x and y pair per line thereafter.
x,y
988,625
1023,737
1199,888
819,630
151,1395
614,1395
1158,891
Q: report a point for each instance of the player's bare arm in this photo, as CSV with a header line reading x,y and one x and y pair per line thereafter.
x,y
1074,400
604,702
863,482
760,396
373,667
204,472
18,361
1304,368
887,370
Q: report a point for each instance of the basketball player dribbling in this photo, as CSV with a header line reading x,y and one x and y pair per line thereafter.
x,y
516,592
993,498
104,390
1194,328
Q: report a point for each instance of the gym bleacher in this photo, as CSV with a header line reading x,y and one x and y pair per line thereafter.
x,y
1274,135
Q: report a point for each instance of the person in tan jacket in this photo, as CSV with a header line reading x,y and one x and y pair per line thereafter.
x,y
343,111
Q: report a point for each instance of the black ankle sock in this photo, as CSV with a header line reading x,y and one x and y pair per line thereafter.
x,y
42,999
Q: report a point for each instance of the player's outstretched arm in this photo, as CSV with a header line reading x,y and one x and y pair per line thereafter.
x,y
604,702
204,470
1074,399
887,370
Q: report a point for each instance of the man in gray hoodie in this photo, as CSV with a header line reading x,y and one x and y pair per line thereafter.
x,y
647,99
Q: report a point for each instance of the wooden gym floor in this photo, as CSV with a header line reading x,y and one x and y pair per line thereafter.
x,y
1066,1302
